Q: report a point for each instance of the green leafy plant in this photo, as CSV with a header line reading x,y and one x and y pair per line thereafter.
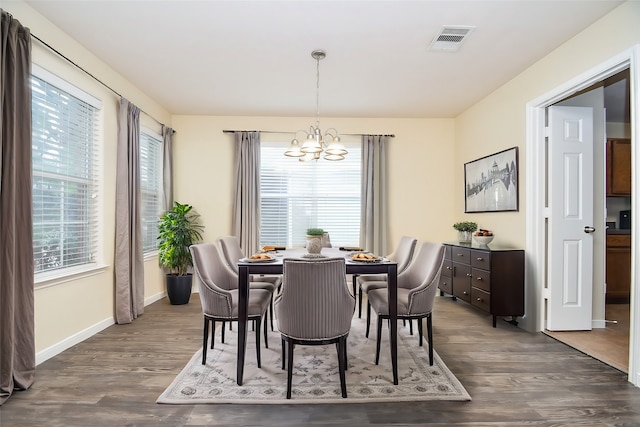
x,y
178,229
315,231
466,226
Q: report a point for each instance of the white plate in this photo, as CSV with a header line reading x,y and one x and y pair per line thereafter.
x,y
271,259
378,259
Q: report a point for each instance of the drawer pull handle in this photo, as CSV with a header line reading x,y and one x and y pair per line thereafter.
x,y
479,259
460,254
479,299
469,275
448,268
465,293
479,278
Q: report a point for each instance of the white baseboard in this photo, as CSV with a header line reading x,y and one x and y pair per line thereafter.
x,y
77,338
74,339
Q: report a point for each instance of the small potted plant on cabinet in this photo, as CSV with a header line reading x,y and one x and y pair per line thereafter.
x,y
465,230
314,240
179,228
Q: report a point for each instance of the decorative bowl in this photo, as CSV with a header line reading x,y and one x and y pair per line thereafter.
x,y
483,240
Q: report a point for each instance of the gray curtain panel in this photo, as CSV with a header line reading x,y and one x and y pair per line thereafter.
x,y
373,220
167,167
17,343
246,200
129,258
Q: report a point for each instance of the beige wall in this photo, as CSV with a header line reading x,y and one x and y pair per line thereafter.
x,y
68,311
499,122
421,188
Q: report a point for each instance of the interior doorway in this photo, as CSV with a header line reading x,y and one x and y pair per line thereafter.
x,y
607,338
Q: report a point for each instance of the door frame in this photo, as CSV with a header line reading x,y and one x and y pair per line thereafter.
x,y
536,192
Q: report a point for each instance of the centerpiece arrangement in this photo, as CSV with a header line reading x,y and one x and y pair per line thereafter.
x,y
465,230
314,240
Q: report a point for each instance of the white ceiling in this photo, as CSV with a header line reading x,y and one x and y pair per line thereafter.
x,y
254,57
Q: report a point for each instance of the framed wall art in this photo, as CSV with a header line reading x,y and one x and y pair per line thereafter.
x,y
491,183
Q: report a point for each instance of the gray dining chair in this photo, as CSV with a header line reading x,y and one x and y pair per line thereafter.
x,y
219,296
416,294
315,307
403,254
232,253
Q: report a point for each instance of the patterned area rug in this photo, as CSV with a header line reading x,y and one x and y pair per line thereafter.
x,y
315,377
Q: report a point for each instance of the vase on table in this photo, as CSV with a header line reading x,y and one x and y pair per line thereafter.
x,y
464,236
314,244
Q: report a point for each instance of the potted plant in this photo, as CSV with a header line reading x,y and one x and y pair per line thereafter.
x,y
465,230
179,228
314,240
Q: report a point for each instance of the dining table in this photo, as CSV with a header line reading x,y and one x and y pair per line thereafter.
x,y
248,267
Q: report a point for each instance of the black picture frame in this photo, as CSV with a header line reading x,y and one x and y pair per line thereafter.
x,y
491,183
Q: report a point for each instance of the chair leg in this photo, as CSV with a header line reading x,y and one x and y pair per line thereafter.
x,y
430,337
289,367
284,356
342,362
360,303
256,324
221,334
205,336
410,327
366,334
378,339
270,315
420,332
266,340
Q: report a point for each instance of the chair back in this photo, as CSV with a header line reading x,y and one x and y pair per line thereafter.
x,y
215,299
315,303
423,275
232,251
404,252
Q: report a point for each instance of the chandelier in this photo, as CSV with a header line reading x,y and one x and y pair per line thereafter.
x,y
316,141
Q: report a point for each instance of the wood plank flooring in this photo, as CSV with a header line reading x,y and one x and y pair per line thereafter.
x,y
514,377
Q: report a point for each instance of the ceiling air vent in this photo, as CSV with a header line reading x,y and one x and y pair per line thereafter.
x,y
450,38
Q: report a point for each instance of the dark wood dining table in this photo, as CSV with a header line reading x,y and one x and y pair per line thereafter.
x,y
247,268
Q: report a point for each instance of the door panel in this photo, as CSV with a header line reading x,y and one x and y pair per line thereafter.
x,y
571,210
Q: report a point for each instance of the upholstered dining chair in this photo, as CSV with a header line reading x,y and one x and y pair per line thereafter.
x,y
232,253
416,293
219,296
315,307
403,254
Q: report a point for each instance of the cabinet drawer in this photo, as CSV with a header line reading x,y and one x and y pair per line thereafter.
x,y
619,240
462,255
447,269
481,259
481,279
446,285
481,299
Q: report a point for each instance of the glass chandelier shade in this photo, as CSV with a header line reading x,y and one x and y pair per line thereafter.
x,y
316,141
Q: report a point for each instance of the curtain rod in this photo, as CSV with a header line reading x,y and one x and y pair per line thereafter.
x,y
274,131
57,52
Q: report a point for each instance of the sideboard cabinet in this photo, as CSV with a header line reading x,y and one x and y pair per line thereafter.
x,y
490,279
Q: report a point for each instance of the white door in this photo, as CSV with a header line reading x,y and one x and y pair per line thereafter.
x,y
570,241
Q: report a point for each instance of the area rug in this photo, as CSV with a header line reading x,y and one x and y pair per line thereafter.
x,y
315,376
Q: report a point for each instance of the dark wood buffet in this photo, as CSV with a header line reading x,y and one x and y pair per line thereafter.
x,y
490,279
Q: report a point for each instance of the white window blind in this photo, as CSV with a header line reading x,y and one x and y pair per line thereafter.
x,y
65,170
297,195
150,188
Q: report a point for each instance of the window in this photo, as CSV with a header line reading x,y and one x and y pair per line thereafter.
x,y
65,170
150,188
297,195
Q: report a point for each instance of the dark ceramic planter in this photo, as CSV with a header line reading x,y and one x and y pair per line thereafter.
x,y
179,288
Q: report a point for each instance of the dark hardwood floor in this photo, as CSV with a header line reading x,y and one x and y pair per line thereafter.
x,y
514,377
